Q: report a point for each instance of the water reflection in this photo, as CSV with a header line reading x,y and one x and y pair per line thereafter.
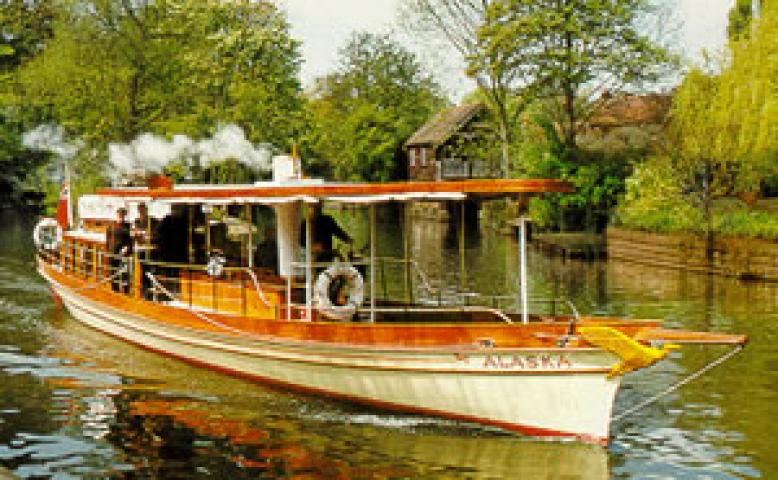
x,y
74,403
191,422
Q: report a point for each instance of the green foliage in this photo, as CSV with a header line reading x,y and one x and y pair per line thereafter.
x,y
16,163
365,111
25,26
598,180
722,140
739,20
740,128
178,66
598,170
108,70
699,164
245,68
655,201
229,171
559,49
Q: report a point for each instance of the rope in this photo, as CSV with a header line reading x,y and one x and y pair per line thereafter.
x,y
681,383
197,314
258,289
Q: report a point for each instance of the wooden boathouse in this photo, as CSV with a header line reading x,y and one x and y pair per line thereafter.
x,y
445,147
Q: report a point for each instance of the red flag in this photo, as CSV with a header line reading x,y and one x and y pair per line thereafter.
x,y
64,215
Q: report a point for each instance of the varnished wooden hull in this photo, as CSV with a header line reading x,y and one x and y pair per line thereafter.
x,y
556,392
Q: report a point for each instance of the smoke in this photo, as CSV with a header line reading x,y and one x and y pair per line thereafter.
x,y
148,153
151,153
230,142
51,138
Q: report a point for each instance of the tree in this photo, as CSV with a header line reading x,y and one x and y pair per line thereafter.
x,y
118,68
723,131
560,48
246,64
746,125
17,164
702,172
739,19
458,22
366,109
25,27
727,124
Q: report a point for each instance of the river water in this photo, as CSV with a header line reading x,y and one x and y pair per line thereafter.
x,y
77,404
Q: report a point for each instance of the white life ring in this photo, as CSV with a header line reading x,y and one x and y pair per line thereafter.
x,y
47,234
349,284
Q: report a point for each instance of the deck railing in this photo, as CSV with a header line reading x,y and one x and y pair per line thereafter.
x,y
236,290
248,293
459,168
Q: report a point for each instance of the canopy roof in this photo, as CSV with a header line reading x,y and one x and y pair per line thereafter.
x,y
312,191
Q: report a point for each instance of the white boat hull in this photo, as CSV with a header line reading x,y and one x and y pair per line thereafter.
x,y
550,392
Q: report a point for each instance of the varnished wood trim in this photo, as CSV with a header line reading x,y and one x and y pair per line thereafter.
x,y
491,186
460,337
683,336
255,354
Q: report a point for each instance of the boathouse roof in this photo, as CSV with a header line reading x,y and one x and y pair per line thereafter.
x,y
440,128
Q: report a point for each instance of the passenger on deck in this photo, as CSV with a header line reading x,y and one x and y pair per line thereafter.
x,y
172,236
323,228
119,245
172,245
144,231
266,255
144,226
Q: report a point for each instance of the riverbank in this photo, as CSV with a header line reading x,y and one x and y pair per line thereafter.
x,y
731,217
745,258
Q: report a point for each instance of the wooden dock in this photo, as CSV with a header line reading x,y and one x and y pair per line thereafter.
x,y
744,258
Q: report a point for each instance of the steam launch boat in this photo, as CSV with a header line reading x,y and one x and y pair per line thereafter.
x,y
243,279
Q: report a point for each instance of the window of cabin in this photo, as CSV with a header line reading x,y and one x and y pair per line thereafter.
x,y
423,157
413,157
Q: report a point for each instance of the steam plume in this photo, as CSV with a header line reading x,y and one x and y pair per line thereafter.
x,y
151,153
51,138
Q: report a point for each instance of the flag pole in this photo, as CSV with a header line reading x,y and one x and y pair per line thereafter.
x,y
69,186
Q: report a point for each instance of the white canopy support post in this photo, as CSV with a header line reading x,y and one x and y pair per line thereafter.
x,y
462,273
250,242
308,264
523,267
288,221
406,254
372,262
207,214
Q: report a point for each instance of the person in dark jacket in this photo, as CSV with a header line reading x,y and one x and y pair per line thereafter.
x,y
323,229
119,245
144,233
172,236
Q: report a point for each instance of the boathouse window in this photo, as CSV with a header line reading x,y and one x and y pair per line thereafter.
x,y
413,157
423,157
